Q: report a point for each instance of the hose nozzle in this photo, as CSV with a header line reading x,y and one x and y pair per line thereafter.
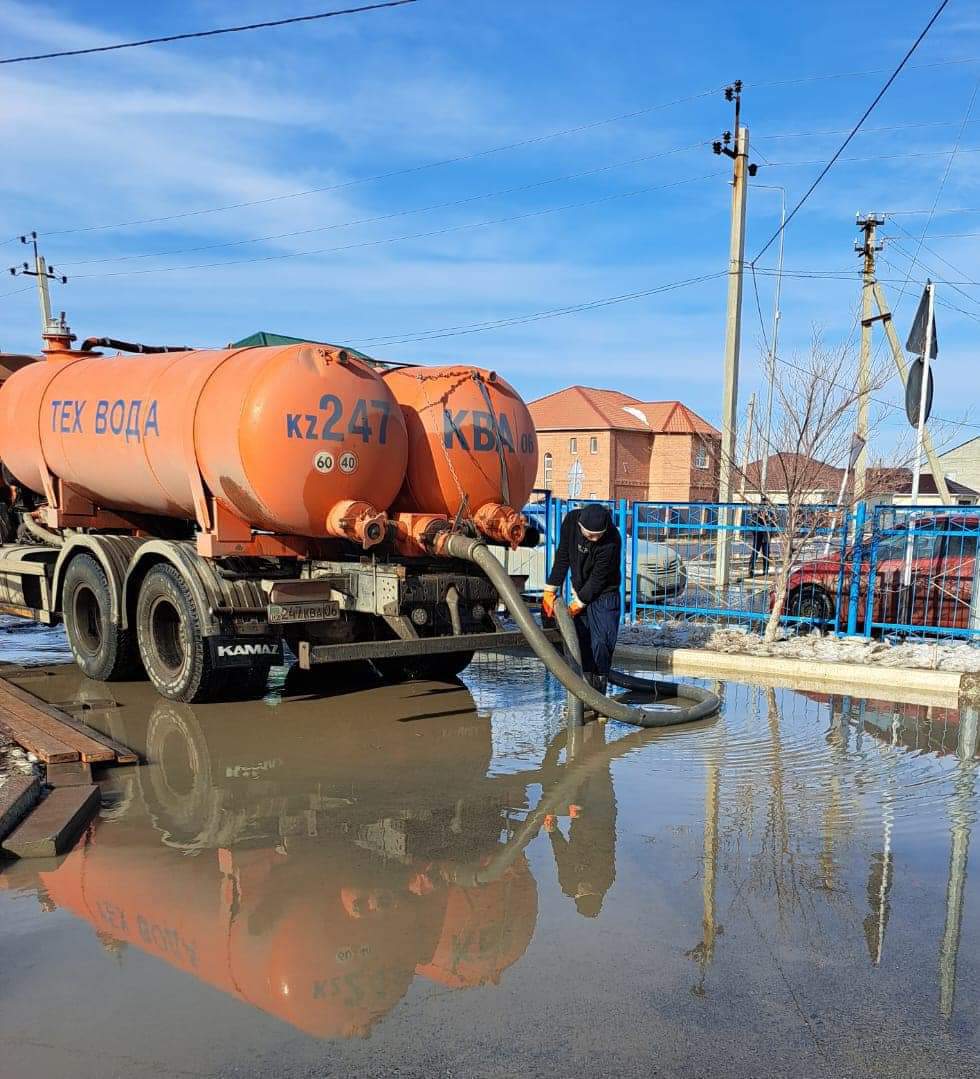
x,y
501,523
358,521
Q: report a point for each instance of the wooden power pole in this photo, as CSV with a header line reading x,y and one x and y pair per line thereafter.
x,y
872,290
733,323
867,248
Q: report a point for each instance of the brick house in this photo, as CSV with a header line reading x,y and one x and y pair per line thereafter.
x,y
605,444
886,486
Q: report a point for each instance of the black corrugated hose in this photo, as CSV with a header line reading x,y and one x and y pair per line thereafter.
x,y
702,701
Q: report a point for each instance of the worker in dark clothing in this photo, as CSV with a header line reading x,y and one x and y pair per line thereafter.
x,y
760,525
589,547
586,860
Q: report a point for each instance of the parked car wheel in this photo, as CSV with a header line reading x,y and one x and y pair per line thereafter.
x,y
811,605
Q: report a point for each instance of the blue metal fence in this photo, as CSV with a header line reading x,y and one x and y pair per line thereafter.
x,y
919,573
878,570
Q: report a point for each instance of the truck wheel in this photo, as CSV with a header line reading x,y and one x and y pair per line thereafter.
x,y
101,647
438,668
171,641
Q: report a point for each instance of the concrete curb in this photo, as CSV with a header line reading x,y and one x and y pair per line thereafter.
x,y
950,689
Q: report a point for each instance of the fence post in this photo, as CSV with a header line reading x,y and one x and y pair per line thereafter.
x,y
634,557
857,558
621,524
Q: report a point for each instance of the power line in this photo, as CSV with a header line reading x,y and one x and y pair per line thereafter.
x,y
207,33
951,210
945,177
16,291
867,112
877,400
932,251
890,129
867,72
396,213
894,245
398,239
877,157
555,312
459,159
941,300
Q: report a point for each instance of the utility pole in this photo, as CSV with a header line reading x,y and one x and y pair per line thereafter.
x,y
885,315
733,322
747,452
868,223
52,329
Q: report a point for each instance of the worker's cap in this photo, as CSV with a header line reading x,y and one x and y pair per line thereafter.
x,y
594,518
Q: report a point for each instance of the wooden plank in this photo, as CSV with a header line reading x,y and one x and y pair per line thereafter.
x,y
72,774
55,823
123,754
43,746
23,706
17,796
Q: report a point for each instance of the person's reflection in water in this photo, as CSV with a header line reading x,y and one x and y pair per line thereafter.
x,y
586,859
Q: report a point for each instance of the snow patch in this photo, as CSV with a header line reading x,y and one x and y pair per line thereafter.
x,y
920,655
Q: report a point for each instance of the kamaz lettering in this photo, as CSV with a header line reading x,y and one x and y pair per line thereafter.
x,y
227,650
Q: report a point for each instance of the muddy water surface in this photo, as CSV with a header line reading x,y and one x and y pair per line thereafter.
x,y
426,879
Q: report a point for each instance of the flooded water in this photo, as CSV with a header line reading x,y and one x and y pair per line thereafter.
x,y
427,879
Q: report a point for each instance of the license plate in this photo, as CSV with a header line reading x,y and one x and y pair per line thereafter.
x,y
280,613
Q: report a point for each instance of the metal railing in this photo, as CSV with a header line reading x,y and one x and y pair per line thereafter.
x,y
862,571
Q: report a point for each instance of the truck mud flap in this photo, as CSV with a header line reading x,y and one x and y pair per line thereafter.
x,y
244,651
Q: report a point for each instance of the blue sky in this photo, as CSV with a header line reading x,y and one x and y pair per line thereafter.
x,y
161,131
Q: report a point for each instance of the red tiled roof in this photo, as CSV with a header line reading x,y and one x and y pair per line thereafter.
x,y
784,468
584,408
899,481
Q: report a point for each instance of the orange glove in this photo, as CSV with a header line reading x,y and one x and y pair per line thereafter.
x,y
575,608
548,604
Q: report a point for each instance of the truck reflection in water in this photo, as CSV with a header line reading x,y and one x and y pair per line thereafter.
x,y
313,859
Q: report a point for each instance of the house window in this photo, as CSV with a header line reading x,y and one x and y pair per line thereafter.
x,y
593,445
547,470
592,494
573,445
701,458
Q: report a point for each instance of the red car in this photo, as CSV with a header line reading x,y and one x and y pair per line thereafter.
x,y
941,589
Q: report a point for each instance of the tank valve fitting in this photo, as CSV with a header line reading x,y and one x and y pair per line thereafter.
x,y
358,521
501,523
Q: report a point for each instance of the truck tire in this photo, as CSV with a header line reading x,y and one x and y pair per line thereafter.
x,y
438,668
101,647
171,639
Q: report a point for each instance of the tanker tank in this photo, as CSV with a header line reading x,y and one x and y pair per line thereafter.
x,y
472,446
301,440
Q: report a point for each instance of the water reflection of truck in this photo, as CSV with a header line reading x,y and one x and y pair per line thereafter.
x,y
188,512
317,881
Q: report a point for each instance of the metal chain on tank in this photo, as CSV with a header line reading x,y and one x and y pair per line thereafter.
x,y
504,479
464,501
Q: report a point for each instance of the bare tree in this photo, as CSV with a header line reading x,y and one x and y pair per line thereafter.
x,y
815,397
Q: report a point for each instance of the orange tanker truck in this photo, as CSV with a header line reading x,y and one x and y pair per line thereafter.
x,y
186,513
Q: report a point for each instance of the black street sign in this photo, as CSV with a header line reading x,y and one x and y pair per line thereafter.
x,y
916,344
913,392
